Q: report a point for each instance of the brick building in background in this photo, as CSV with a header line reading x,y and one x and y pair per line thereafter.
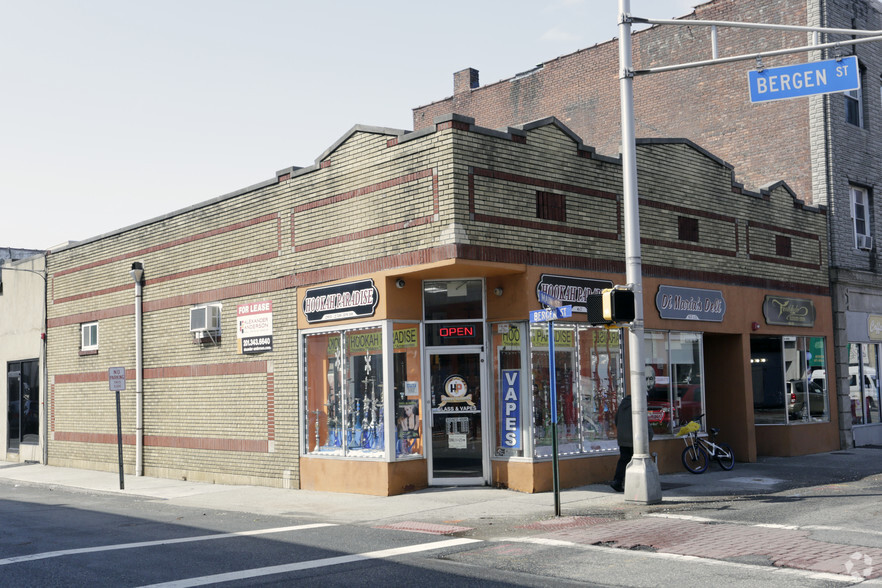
x,y
827,148
361,325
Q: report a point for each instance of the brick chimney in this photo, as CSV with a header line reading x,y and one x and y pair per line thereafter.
x,y
465,80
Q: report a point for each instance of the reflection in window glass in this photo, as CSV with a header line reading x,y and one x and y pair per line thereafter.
x,y
789,380
600,377
453,300
23,404
673,379
863,383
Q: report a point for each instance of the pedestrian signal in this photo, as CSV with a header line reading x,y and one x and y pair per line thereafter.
x,y
618,305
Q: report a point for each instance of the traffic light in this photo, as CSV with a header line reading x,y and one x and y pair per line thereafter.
x,y
618,305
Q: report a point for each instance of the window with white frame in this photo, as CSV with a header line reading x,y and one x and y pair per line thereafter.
x,y
860,214
89,336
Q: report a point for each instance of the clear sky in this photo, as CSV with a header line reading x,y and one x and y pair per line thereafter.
x,y
113,112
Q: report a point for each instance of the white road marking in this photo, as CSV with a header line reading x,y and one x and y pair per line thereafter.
x,y
765,525
693,559
48,554
308,565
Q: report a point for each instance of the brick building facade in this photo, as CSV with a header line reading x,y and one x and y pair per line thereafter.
x,y
827,148
362,324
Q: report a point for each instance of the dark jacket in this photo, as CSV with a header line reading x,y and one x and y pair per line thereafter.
x,y
624,427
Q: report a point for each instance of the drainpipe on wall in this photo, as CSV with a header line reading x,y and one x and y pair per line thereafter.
x,y
137,274
44,429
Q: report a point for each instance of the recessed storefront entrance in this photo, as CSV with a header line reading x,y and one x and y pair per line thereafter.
x,y
457,453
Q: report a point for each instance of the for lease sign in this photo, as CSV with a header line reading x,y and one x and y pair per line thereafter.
x,y
254,326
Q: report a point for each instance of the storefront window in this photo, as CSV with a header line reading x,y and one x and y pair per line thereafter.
x,y
568,427
789,380
509,343
407,378
863,383
454,312
674,385
599,386
587,367
344,393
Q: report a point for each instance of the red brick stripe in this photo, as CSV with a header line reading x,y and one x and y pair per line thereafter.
x,y
174,243
186,371
212,444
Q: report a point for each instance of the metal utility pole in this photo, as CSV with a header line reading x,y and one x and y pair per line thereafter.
x,y
641,477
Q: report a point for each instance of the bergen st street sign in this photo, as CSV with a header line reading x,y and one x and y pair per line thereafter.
x,y
550,314
804,79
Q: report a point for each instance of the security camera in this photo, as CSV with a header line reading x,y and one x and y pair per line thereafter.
x,y
399,283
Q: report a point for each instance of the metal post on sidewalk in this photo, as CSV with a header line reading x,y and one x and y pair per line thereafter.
x,y
642,483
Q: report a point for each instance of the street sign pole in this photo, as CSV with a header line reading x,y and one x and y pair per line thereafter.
x,y
553,310
116,378
552,381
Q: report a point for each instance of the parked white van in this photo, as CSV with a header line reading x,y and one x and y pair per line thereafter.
x,y
859,394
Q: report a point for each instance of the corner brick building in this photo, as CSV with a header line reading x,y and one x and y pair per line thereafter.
x,y
827,148
361,324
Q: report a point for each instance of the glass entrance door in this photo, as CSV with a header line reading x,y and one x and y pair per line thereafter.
x,y
457,449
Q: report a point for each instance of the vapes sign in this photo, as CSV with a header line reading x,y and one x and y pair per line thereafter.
x,y
511,409
350,300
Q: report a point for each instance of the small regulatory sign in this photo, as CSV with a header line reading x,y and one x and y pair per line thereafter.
x,y
116,376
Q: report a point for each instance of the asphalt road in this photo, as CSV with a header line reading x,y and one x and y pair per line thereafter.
x,y
66,537
812,521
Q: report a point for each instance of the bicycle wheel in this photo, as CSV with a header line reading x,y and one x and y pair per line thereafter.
x,y
725,456
695,459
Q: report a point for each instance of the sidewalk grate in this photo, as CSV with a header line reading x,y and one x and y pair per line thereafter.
x,y
418,527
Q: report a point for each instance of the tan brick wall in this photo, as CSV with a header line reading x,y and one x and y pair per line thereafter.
x,y
376,202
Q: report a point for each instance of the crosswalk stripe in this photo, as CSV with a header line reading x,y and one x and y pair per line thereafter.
x,y
50,554
312,564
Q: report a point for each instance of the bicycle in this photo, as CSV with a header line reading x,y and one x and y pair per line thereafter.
x,y
698,451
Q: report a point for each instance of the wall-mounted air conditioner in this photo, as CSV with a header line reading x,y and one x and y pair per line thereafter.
x,y
205,318
864,242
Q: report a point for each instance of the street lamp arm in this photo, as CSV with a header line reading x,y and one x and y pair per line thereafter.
x,y
745,57
747,25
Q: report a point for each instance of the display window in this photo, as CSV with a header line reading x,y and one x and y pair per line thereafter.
x,y
568,425
789,380
346,397
674,383
407,376
587,390
509,342
600,386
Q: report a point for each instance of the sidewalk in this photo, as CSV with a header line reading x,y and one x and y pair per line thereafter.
x,y
471,506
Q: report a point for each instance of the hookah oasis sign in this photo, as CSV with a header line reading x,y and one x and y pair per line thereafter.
x,y
349,300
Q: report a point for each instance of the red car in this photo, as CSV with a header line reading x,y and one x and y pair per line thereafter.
x,y
686,407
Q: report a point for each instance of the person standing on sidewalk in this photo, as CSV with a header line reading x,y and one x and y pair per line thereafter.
x,y
625,440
